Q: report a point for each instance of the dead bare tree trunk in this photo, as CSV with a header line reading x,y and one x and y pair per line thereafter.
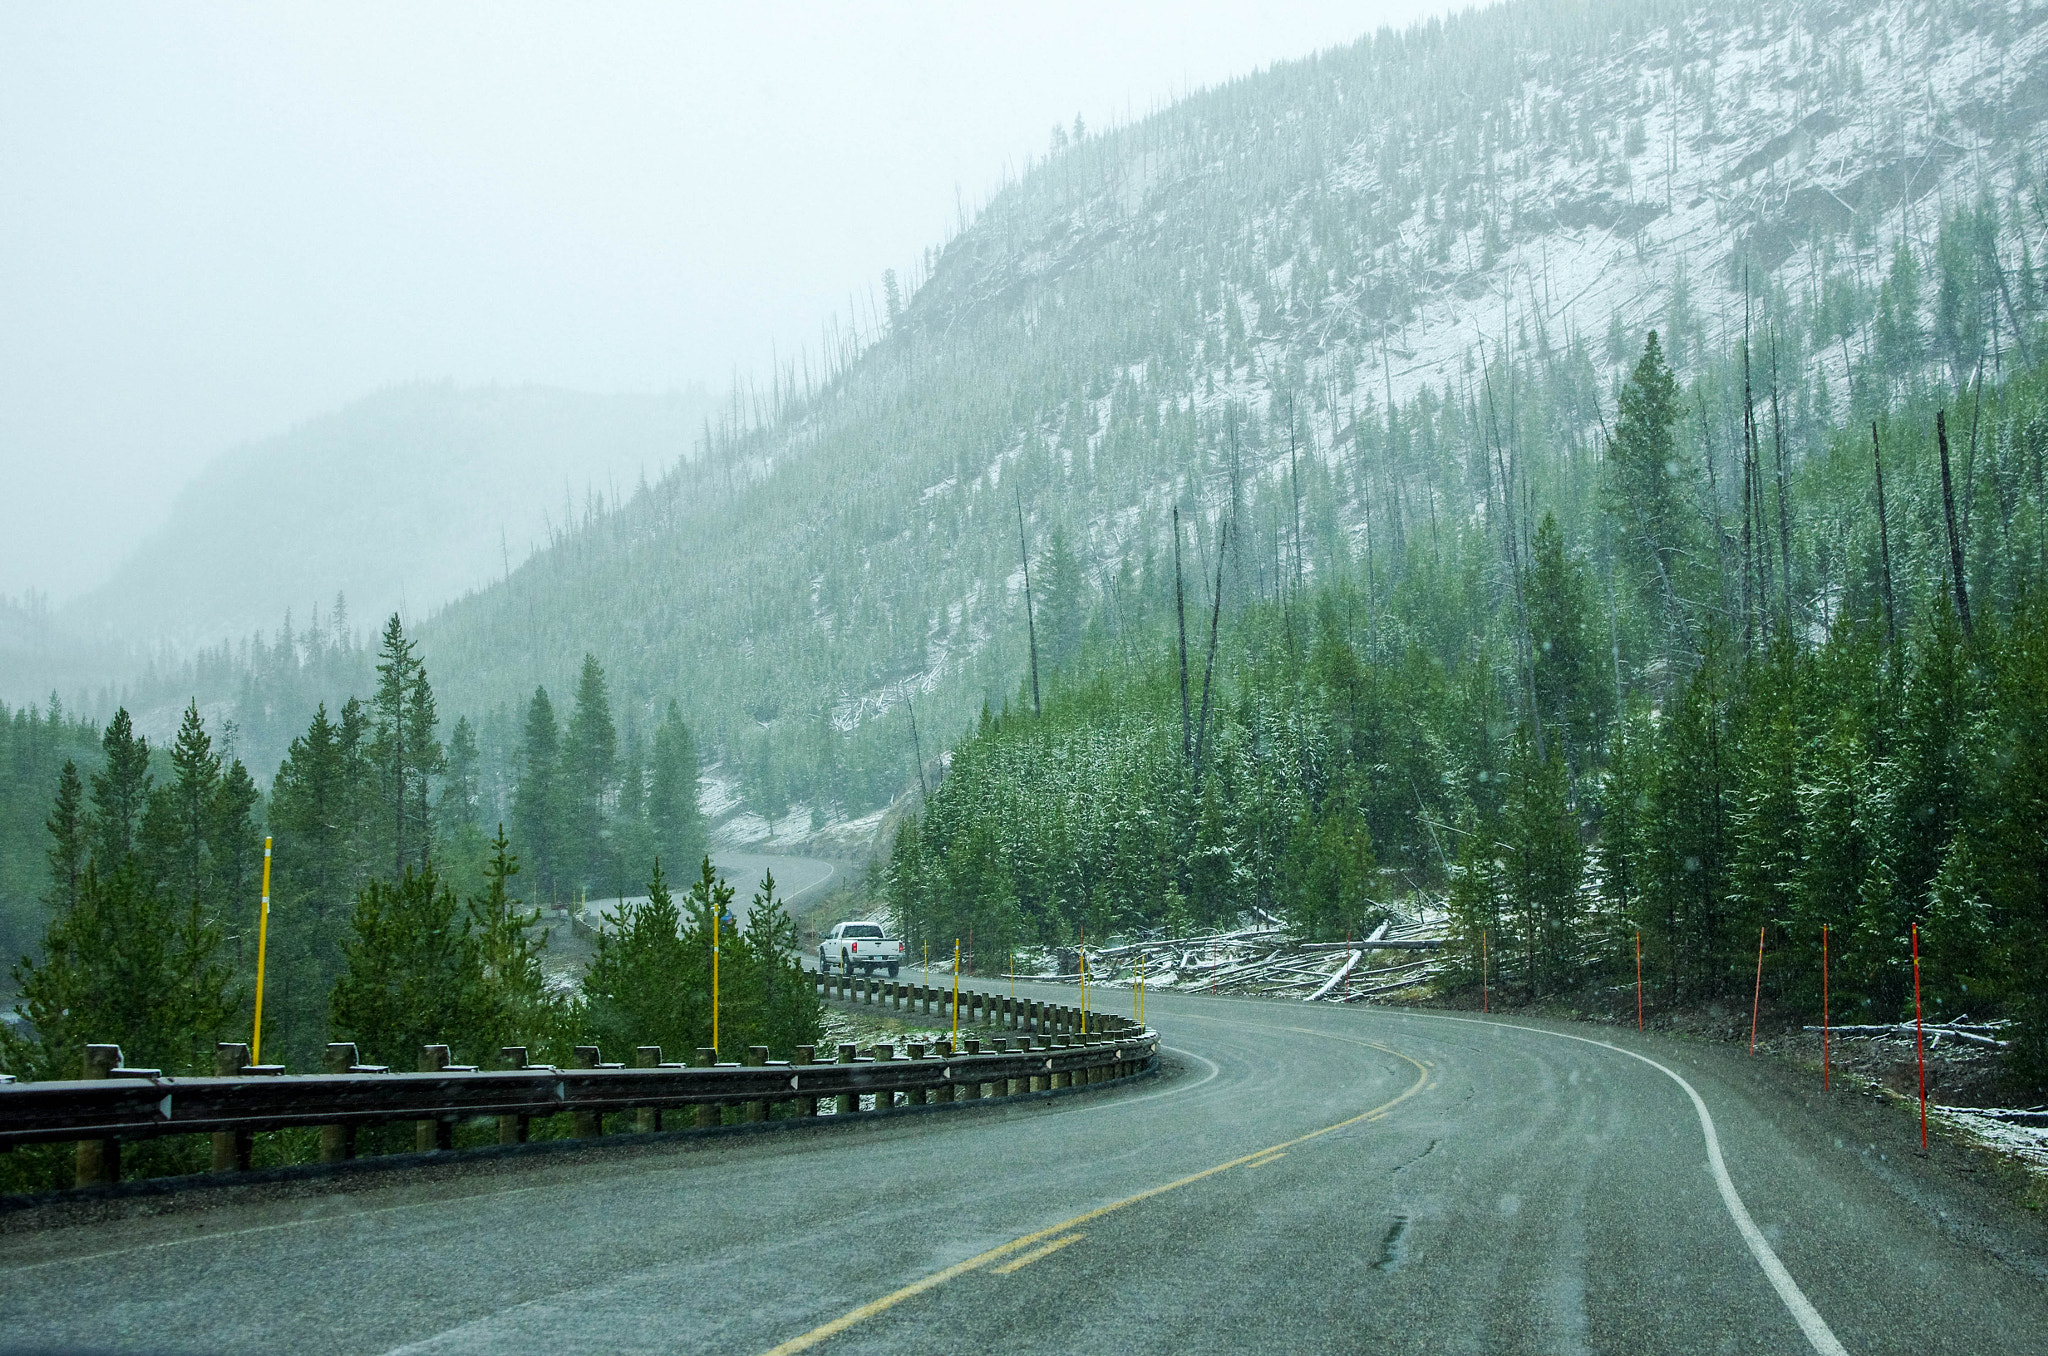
x,y
1030,623
1187,746
1955,541
1209,665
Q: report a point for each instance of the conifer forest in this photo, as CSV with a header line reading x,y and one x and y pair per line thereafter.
x,y
1575,470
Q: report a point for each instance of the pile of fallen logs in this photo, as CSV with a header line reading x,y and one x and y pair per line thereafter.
x,y
1961,1029
1398,955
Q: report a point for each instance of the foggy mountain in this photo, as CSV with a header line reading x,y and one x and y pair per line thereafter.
x,y
1285,298
404,500
1297,249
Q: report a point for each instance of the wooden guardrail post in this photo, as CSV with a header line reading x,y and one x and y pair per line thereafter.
x,y
516,1127
1039,1081
438,1133
885,1054
99,1160
337,1142
804,1056
915,1096
948,1091
849,1102
969,1090
647,1119
757,1057
231,1148
707,1112
1006,1087
588,1124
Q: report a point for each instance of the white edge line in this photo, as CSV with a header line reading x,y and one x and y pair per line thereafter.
x,y
1810,1322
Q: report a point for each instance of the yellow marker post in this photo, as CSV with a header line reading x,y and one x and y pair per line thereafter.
x,y
956,991
262,945
1141,992
714,975
1083,953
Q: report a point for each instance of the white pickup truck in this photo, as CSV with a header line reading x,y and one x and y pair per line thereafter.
x,y
859,946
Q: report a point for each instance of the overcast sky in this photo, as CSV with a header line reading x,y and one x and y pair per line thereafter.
x,y
219,221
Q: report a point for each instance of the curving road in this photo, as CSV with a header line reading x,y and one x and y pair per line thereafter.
x,y
1304,1179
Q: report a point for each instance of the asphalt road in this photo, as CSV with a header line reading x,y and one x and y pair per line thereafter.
x,y
1305,1179
795,878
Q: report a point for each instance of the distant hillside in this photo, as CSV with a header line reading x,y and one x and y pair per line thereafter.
x,y
1332,303
407,499
1302,297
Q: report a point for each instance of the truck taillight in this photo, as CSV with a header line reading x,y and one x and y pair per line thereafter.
x,y
856,946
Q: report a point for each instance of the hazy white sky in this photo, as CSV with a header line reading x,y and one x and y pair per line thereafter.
x,y
216,221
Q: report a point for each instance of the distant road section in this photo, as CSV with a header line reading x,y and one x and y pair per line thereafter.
x,y
795,878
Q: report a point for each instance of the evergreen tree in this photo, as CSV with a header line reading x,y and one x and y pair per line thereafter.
x,y
1329,872
511,1005
403,749
775,1004
649,981
674,821
175,824
457,816
1570,690
120,794
69,849
1645,486
410,977
536,798
1542,868
1065,608
589,763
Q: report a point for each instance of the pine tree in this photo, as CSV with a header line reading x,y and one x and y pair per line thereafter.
x,y
120,794
536,797
511,1005
1645,488
457,812
403,749
68,850
649,981
777,1005
589,762
1570,693
1543,865
1064,610
1329,871
410,978
174,832
674,821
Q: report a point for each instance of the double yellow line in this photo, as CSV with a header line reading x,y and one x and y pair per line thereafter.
x,y
867,1311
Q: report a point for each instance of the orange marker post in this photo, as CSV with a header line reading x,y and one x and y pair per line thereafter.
x,y
1823,1007
1756,1001
1919,1049
1639,980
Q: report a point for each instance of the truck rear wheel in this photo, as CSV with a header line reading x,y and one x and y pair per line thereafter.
x,y
892,972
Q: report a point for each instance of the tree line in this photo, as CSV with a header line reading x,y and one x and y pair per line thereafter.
x,y
1737,698
395,921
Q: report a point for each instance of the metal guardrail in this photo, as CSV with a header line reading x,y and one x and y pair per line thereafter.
x,y
117,1104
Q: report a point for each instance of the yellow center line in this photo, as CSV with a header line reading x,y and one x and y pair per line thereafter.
x,y
805,1341
1262,1162
1036,1253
